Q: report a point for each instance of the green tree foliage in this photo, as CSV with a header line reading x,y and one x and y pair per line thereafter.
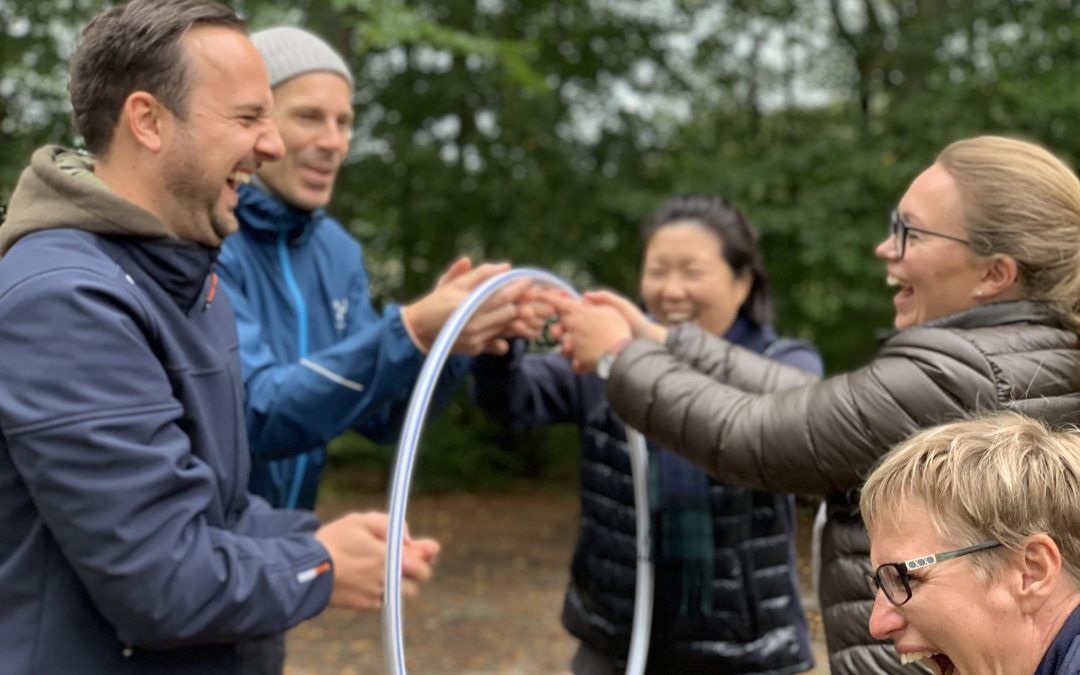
x,y
36,39
544,133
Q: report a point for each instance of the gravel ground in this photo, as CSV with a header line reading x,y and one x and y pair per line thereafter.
x,y
493,607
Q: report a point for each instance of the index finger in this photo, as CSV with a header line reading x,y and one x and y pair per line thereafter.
x,y
563,303
508,293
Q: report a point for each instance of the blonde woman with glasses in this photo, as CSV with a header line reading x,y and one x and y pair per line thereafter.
x,y
973,534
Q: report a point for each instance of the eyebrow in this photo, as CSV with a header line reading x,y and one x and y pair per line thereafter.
x,y
253,108
307,109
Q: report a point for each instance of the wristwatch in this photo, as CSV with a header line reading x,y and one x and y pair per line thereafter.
x,y
607,359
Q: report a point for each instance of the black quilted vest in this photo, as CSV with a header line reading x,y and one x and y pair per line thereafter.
x,y
757,625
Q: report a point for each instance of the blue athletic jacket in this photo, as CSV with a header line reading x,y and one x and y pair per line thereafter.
x,y
317,358
129,541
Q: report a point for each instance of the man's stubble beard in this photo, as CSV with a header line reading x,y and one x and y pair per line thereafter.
x,y
199,209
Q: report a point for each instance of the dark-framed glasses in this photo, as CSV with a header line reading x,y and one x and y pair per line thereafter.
x,y
893,579
899,230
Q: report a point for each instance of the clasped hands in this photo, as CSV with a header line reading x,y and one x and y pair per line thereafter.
x,y
597,323
512,311
586,328
357,546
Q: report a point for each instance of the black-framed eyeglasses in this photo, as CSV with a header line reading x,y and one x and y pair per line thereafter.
x,y
899,229
893,579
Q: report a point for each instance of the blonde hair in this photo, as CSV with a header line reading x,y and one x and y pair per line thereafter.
x,y
1001,477
1022,201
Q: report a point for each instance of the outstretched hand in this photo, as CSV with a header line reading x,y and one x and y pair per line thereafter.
x,y
425,317
516,310
641,325
509,312
587,330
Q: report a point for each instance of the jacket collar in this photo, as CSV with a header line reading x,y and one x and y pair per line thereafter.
x,y
262,212
59,190
996,314
982,316
746,333
1064,653
180,268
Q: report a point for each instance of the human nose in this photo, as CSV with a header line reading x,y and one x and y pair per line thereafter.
x,y
885,619
334,137
673,286
886,250
269,146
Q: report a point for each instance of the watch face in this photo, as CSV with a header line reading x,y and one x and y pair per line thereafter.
x,y
603,366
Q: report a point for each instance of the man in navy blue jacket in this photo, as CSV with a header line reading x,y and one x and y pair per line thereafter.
x,y
130,543
317,358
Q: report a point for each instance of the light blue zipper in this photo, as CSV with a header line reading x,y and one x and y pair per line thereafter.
x,y
302,348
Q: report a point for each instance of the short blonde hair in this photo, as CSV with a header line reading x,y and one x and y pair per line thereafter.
x,y
1001,477
1022,201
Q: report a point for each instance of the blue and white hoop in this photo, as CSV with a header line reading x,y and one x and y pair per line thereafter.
x,y
393,640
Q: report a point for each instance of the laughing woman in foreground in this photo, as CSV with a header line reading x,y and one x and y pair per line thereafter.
x,y
976,551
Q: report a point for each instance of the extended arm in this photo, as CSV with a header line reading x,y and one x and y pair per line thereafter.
x,y
796,365
817,438
524,390
363,380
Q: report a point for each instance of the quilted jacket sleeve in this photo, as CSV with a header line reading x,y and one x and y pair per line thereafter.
x,y
742,368
815,438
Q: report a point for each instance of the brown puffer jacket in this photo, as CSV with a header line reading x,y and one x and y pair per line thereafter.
x,y
697,395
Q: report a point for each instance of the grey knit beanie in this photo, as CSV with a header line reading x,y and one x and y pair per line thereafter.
x,y
289,52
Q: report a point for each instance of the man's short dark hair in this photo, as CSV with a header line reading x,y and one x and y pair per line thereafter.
x,y
136,47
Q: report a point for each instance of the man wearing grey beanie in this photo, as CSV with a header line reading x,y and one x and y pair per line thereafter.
x,y
317,357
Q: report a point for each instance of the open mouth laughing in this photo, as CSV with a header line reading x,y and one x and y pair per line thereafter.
x,y
939,663
905,293
675,318
238,177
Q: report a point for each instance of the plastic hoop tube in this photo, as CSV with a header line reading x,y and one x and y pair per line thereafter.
x,y
423,391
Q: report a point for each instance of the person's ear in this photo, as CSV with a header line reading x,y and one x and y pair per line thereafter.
x,y
1039,571
744,282
1000,275
146,119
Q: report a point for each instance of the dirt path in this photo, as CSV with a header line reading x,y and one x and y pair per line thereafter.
x,y
494,605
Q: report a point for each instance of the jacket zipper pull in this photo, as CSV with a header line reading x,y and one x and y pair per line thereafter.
x,y
212,292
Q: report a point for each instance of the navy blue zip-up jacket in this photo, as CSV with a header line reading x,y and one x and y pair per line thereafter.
x,y
129,541
317,358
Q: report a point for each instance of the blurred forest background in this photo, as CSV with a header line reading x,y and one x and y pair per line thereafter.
x,y
544,132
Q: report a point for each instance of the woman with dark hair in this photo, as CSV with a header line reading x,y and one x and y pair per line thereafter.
x,y
984,249
725,599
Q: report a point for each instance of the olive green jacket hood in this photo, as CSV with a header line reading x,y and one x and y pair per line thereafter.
x,y
59,190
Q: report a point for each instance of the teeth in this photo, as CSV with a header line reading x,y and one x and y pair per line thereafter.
x,y
890,280
240,177
915,657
